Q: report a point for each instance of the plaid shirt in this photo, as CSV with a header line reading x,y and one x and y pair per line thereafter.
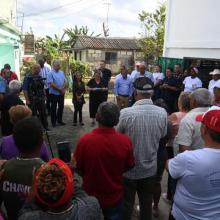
x,y
146,124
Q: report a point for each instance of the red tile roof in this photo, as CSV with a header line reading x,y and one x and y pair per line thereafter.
x,y
86,42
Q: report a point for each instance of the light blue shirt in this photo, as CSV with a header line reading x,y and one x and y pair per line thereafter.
x,y
58,78
3,85
123,86
146,74
133,74
197,193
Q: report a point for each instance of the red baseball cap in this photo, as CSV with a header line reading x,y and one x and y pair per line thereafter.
x,y
68,193
211,118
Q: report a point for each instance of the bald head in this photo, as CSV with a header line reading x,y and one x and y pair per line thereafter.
x,y
35,69
142,68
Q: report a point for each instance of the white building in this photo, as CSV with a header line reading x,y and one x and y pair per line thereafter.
x,y
192,29
8,10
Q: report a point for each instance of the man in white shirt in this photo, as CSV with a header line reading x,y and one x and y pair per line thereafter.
x,y
157,75
215,77
44,71
197,194
158,80
189,136
46,63
191,83
135,71
216,99
144,73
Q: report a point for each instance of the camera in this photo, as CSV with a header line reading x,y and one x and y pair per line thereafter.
x,y
64,151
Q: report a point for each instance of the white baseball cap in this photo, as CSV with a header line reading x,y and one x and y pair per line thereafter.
x,y
217,84
215,72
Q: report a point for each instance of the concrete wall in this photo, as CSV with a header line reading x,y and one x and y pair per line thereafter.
x,y
7,55
192,29
93,57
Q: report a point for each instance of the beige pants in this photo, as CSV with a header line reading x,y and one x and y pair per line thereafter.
x,y
122,101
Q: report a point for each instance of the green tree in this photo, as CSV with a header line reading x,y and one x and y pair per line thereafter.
x,y
153,37
50,46
72,34
53,46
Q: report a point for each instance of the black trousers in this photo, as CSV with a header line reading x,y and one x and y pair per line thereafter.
x,y
38,108
144,188
170,155
56,113
171,217
105,94
77,109
48,102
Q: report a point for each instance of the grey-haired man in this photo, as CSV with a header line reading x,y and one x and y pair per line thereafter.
x,y
57,87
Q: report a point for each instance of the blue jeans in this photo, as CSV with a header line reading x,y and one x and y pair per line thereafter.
x,y
114,212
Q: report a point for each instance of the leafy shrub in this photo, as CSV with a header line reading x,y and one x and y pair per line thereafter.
x,y
76,65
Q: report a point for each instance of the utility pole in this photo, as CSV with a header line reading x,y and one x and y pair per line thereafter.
x,y
105,25
16,12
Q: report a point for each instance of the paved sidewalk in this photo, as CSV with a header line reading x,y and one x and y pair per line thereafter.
x,y
72,134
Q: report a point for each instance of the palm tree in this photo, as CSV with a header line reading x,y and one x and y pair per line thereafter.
x,y
72,34
53,46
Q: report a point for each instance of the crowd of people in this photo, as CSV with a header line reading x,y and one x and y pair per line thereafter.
x,y
159,122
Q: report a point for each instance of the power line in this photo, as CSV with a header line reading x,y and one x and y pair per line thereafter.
x,y
75,12
94,3
106,27
51,9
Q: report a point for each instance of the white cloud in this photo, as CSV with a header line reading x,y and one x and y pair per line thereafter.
x,y
123,15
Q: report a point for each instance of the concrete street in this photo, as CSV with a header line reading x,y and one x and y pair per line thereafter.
x,y
72,134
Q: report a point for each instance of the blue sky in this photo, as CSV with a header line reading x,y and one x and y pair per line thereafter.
x,y
123,15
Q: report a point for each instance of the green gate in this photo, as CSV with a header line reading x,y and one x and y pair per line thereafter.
x,y
170,62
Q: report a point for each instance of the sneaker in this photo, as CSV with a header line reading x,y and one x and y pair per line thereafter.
x,y
61,123
164,197
82,124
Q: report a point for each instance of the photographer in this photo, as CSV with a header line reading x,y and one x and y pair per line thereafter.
x,y
33,87
10,99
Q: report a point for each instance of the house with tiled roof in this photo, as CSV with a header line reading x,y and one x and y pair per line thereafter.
x,y
115,51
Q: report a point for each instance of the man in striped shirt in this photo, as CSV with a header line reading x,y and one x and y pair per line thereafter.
x,y
44,73
145,124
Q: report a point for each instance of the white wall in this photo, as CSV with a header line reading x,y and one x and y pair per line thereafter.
x,y
192,29
8,10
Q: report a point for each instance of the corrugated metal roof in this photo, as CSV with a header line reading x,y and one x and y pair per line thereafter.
x,y
85,42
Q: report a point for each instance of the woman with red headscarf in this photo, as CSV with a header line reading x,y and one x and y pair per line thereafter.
x,y
55,197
